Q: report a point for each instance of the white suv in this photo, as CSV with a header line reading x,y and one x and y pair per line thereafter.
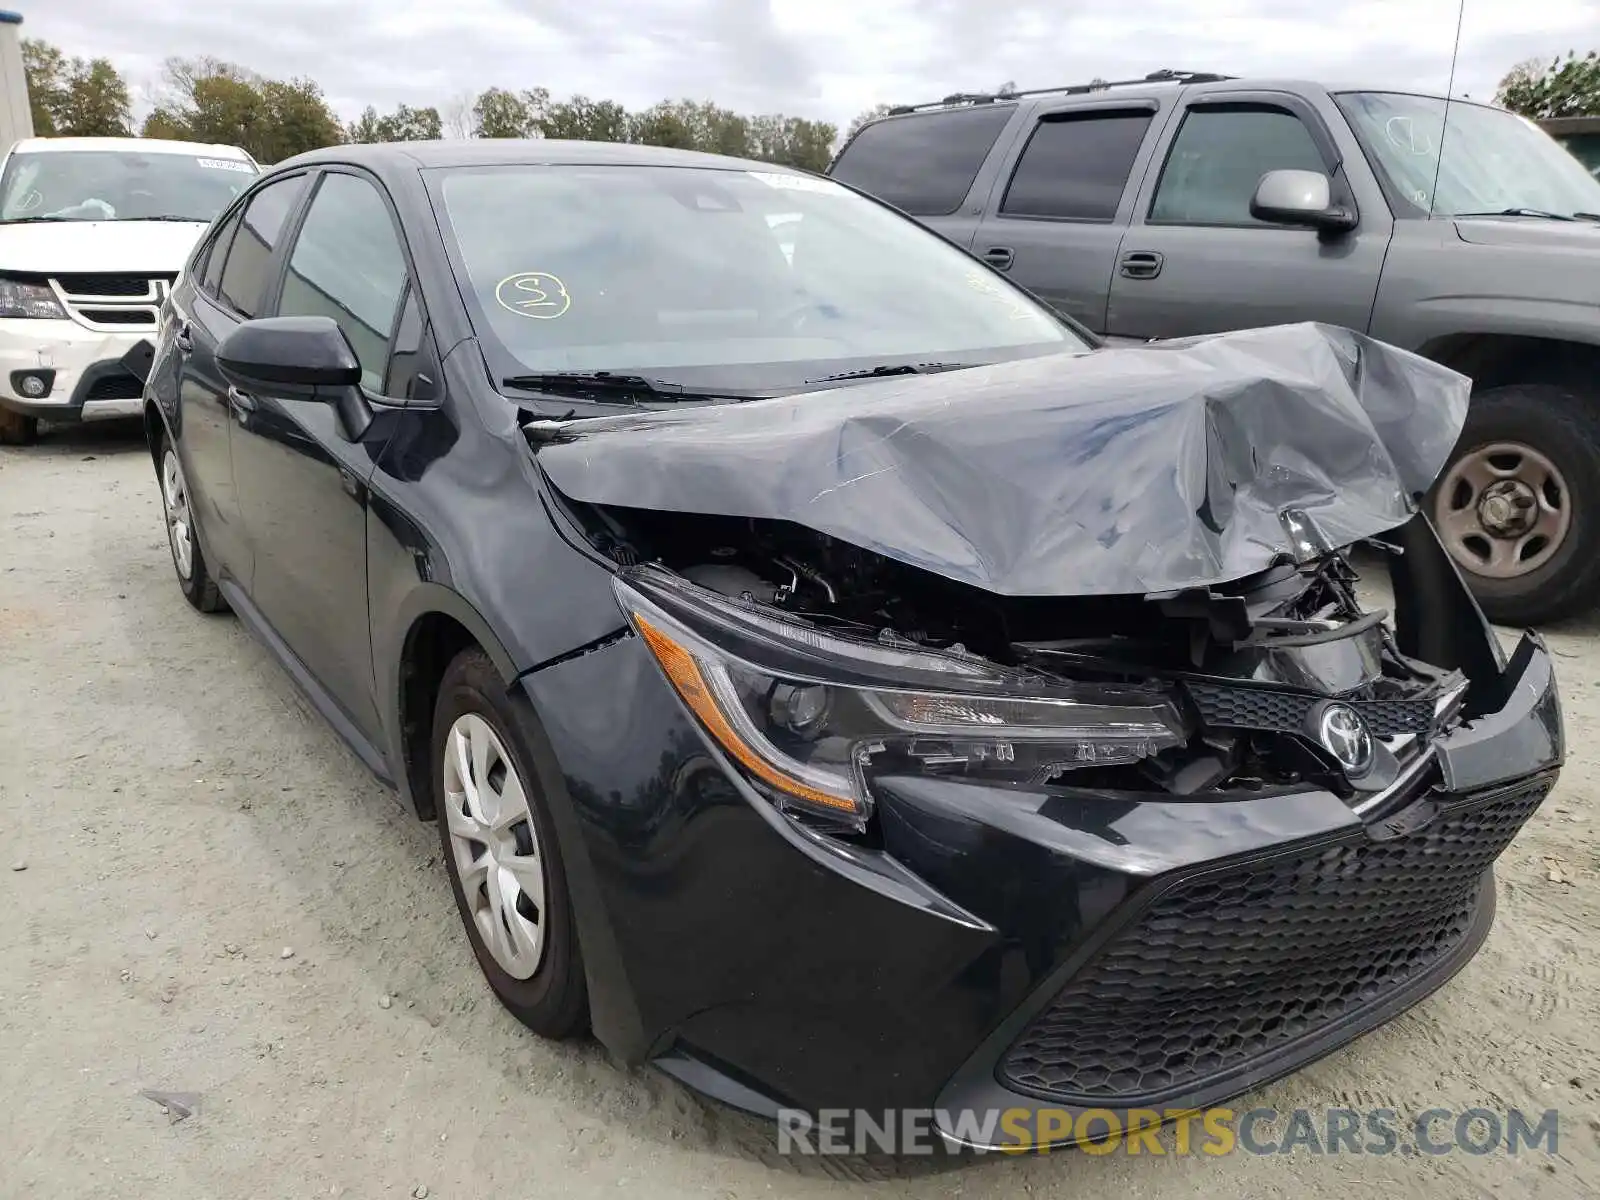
x,y
93,232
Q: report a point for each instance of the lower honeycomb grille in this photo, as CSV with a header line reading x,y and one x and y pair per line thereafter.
x,y
1235,966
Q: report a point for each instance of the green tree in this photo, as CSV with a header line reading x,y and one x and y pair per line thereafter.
x,y
209,100
670,123
582,119
865,118
1569,88
499,113
74,97
793,141
405,124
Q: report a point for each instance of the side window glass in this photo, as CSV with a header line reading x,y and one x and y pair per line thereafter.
x,y
347,264
1076,166
923,164
405,359
217,255
244,274
1219,156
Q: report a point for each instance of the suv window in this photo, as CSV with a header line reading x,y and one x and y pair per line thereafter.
x,y
923,164
244,275
1076,166
347,264
1219,156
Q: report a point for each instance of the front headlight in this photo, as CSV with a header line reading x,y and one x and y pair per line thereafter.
x,y
811,717
22,299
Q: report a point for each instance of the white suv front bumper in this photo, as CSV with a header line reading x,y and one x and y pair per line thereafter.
x,y
87,377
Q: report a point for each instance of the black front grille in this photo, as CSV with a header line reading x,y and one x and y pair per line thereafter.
x,y
116,385
1279,711
120,316
1234,966
109,285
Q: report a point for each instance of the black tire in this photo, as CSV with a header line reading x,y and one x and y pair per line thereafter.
x,y
199,588
554,1000
17,429
1565,428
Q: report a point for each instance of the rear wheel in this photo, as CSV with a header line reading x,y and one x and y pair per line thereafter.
x,y
194,577
17,429
501,853
1518,507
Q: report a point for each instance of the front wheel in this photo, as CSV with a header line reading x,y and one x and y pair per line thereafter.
x,y
17,429
500,850
1518,507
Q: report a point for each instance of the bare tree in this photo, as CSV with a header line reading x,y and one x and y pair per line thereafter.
x,y
457,113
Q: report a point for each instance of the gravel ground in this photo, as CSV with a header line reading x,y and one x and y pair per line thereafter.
x,y
204,892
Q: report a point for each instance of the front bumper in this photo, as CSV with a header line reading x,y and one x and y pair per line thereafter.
x,y
92,375
1010,949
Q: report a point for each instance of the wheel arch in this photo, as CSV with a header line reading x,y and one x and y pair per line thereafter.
x,y
155,425
436,624
1498,359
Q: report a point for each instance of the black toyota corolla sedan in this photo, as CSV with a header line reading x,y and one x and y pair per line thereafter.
x,y
837,679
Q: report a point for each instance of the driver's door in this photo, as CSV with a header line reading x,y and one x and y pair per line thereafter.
x,y
1195,261
302,482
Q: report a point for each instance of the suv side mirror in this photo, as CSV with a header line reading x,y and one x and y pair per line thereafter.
x,y
300,356
1299,198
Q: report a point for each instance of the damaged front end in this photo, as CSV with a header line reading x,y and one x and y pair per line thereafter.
x,y
1206,828
820,668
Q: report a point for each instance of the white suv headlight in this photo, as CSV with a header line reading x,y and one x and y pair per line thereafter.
x,y
22,299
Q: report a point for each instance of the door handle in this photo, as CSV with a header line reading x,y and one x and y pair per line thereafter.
x,y
1141,264
242,403
999,257
182,339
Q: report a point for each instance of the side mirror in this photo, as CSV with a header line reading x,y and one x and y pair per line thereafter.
x,y
1299,198
300,356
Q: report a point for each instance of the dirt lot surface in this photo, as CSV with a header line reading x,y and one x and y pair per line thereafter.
x,y
202,891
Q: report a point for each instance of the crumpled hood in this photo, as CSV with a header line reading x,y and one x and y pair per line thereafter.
x,y
1133,470
69,247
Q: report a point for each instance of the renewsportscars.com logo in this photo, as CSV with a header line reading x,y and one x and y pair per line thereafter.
x,y
1213,1131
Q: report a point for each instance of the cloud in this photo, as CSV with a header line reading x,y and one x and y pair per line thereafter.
x,y
823,58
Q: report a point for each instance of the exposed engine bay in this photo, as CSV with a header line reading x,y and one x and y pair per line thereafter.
x,y
1256,661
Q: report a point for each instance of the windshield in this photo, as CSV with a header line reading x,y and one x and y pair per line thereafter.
x,y
1493,159
118,185
701,275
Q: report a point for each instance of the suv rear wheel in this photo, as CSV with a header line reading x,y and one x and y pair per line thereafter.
x,y
1518,508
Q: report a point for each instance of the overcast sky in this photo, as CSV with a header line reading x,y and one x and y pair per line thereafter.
x,y
820,58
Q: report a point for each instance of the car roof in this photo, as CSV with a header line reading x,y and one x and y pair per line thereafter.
x,y
51,145
474,152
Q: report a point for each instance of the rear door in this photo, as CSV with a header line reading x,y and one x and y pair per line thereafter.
x,y
935,166
302,481
1195,261
1056,217
229,290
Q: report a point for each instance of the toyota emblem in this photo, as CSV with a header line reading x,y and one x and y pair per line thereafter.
x,y
1345,735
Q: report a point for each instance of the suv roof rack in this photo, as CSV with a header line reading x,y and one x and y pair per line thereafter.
x,y
1075,89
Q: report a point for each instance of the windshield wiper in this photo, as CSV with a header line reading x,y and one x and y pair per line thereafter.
x,y
37,220
1522,212
883,372
168,217
584,383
